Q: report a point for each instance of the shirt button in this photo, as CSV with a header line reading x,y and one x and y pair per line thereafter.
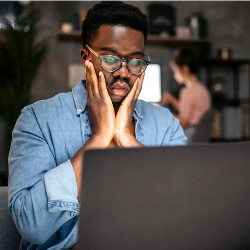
x,y
72,214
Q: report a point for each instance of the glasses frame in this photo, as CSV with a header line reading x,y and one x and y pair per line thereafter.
x,y
147,62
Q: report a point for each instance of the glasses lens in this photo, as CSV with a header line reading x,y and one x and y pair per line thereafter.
x,y
136,66
110,63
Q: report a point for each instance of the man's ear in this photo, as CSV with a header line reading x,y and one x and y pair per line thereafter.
x,y
84,54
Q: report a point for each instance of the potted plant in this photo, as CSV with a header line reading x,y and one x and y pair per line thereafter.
x,y
20,57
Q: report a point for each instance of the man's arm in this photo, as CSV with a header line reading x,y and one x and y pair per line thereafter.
x,y
101,116
32,164
105,125
95,141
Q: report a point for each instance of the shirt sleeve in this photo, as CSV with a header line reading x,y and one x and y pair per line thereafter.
x,y
61,189
177,138
42,194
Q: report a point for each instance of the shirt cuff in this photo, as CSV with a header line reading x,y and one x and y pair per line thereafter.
x,y
61,188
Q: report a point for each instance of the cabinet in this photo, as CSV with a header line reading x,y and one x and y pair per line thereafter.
x,y
229,83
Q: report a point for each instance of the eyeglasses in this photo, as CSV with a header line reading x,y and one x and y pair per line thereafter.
x,y
110,63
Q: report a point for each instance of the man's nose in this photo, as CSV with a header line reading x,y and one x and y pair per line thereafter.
x,y
123,71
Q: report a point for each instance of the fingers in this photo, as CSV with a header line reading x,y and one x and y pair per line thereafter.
x,y
102,86
131,95
95,86
139,87
91,79
136,89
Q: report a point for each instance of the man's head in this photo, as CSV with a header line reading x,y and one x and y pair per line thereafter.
x,y
184,64
114,13
117,29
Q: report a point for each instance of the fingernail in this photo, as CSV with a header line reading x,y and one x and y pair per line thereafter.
x,y
100,73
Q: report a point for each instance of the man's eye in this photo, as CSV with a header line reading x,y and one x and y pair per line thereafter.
x,y
110,59
134,62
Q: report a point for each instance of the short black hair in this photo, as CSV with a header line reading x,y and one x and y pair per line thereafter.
x,y
188,57
114,13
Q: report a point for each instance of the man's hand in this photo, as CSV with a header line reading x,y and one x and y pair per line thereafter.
x,y
105,126
100,109
102,118
123,134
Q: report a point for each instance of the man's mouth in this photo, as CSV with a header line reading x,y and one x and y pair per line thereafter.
x,y
118,91
119,88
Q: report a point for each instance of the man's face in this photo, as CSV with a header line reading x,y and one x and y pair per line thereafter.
x,y
125,43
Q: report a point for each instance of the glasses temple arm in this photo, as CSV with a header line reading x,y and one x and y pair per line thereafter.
x,y
92,51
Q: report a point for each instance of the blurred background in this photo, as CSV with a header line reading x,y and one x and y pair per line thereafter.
x,y
40,57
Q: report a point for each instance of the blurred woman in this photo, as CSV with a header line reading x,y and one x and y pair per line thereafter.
x,y
194,99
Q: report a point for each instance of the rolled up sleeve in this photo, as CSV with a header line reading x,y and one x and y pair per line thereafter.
x,y
42,193
61,188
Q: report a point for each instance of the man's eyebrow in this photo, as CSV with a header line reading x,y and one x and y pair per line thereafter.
x,y
108,49
138,53
115,51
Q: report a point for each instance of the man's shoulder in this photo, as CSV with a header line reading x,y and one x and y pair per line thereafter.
x,y
159,125
54,102
48,109
146,107
63,99
154,112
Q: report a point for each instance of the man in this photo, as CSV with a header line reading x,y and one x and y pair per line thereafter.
x,y
51,136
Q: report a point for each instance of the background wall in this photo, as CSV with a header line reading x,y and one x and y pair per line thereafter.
x,y
228,26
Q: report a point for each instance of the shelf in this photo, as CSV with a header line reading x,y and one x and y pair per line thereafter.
x,y
228,63
216,140
174,41
75,36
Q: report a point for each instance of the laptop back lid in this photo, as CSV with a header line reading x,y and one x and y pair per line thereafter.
x,y
186,197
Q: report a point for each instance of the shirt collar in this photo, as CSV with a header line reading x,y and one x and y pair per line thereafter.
x,y
80,98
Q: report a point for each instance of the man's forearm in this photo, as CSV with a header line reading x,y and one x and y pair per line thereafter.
x,y
95,141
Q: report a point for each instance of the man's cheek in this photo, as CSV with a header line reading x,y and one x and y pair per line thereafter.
x,y
108,77
132,81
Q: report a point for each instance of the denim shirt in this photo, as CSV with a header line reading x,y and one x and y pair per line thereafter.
x,y
42,183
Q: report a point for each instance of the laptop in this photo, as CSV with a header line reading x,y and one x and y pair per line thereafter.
x,y
180,197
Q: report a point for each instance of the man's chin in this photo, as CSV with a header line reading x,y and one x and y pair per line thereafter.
x,y
117,100
116,104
